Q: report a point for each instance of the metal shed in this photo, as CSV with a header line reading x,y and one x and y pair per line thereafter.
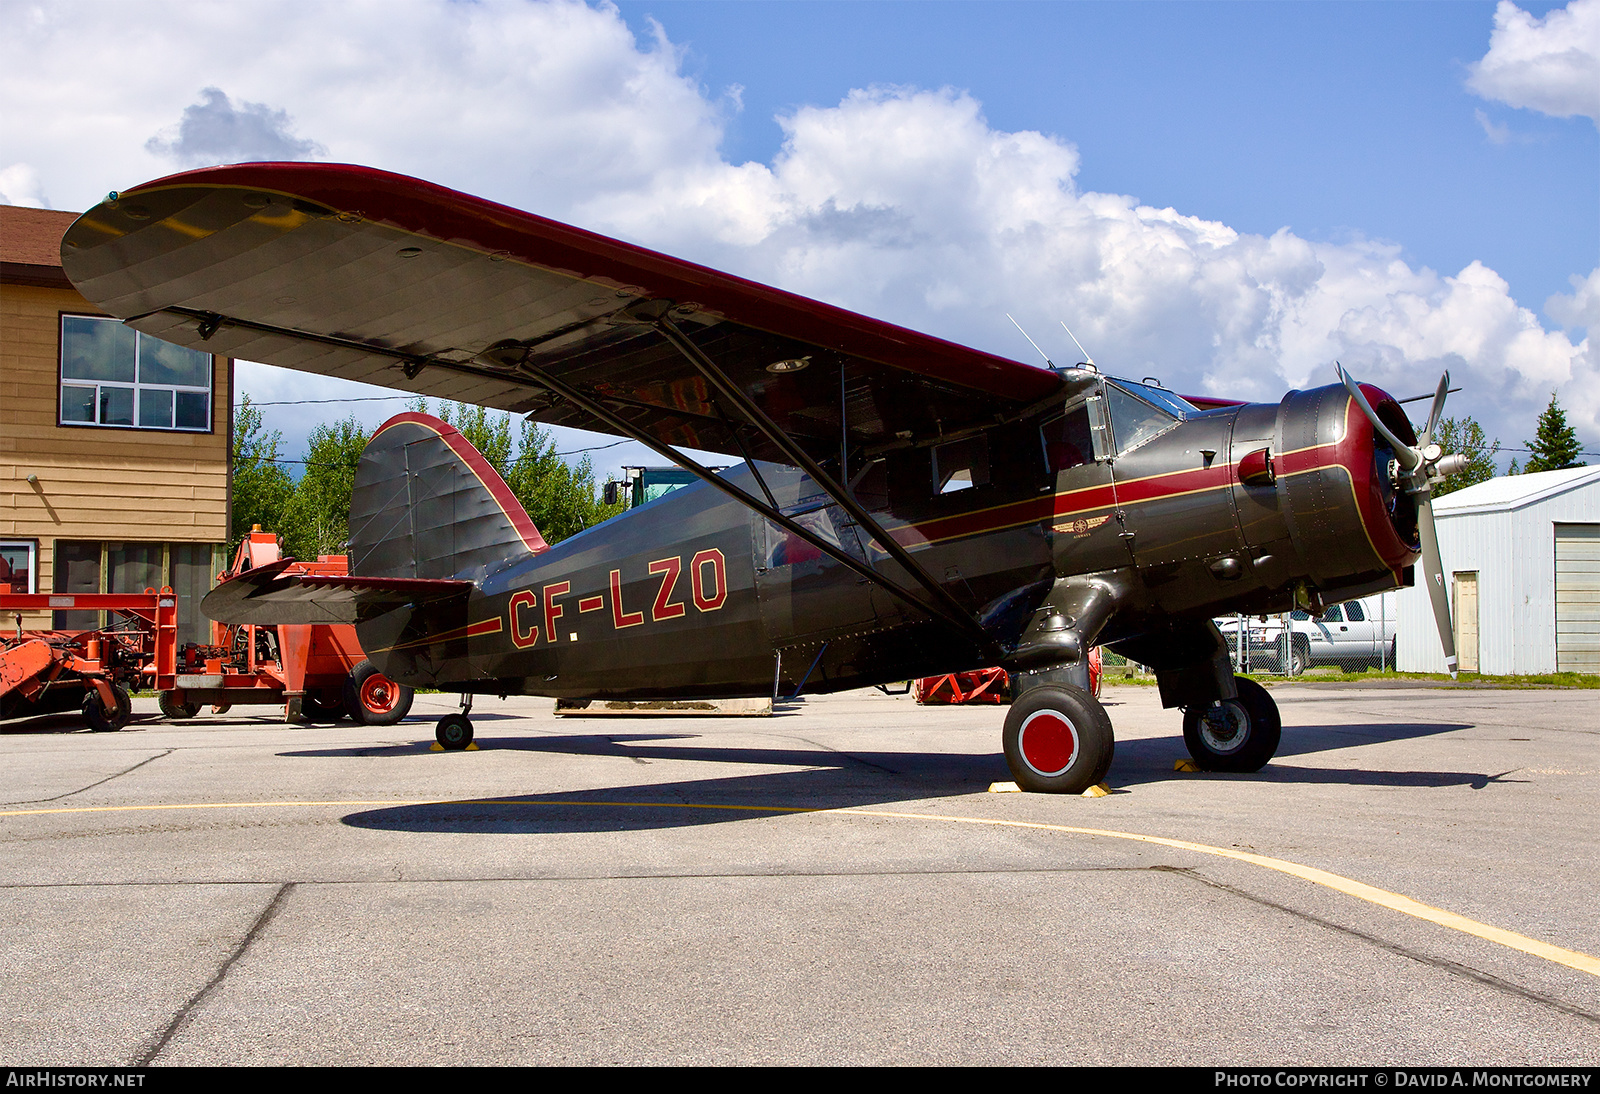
x,y
1522,559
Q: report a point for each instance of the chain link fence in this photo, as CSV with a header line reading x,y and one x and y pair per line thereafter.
x,y
1356,636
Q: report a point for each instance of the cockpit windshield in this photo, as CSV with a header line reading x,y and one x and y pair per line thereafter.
x,y
1174,404
1139,412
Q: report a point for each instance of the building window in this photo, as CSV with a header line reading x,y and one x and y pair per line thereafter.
x,y
19,565
112,375
93,566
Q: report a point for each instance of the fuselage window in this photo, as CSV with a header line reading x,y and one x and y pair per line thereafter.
x,y
1067,440
961,465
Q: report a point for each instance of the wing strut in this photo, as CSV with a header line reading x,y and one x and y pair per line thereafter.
x,y
801,459
958,618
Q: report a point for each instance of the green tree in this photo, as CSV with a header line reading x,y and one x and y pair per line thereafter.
x,y
1555,443
317,518
261,486
1466,437
487,431
561,499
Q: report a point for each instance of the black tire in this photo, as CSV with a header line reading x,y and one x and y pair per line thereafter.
x,y
103,721
313,709
174,710
373,699
454,732
1299,657
1058,740
1237,734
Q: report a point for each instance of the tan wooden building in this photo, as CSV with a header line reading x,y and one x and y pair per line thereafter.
x,y
113,445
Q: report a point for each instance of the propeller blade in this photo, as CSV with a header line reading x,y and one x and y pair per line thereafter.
x,y
1433,574
1408,456
1438,409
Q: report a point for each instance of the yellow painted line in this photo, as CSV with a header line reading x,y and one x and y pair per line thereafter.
x,y
1572,959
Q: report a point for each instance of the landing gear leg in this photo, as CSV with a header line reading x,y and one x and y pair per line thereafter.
x,y
1058,740
1234,734
454,731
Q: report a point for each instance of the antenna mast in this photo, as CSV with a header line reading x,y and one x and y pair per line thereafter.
x,y
1049,363
1086,358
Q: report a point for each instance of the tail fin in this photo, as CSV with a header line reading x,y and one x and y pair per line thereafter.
x,y
426,504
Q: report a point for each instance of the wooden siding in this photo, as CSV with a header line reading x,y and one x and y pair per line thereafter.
x,y
96,483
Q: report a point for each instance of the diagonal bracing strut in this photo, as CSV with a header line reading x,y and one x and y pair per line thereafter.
x,y
957,619
801,459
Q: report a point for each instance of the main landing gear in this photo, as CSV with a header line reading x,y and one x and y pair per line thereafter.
x,y
1058,740
1234,734
454,731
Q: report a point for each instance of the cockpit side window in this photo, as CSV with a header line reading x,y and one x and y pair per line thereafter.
x,y
1067,440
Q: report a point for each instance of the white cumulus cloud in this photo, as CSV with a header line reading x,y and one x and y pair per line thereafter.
x,y
19,185
1551,65
903,203
214,130
908,205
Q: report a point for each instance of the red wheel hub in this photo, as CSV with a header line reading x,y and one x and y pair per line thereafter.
x,y
378,694
1049,742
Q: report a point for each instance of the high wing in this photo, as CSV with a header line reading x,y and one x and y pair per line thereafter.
x,y
365,275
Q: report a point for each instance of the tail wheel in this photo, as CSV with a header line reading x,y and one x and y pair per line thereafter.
x,y
174,710
373,699
102,720
454,732
1234,734
1058,740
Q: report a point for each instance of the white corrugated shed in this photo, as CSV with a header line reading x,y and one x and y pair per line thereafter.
x,y
1504,532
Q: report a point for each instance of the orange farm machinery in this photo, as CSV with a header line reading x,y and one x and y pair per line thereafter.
x,y
317,672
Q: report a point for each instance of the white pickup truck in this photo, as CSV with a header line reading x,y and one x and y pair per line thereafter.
x,y
1356,635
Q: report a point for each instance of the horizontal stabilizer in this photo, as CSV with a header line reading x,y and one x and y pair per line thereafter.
x,y
266,596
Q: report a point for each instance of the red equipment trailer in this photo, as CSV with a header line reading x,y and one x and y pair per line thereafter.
x,y
985,685
317,671
44,671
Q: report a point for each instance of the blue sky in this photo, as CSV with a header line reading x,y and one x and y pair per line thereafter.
x,y
1231,196
1333,119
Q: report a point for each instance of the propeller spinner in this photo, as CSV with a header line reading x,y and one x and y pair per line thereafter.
x,y
1416,468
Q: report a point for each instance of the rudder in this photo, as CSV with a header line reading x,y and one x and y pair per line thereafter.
x,y
426,504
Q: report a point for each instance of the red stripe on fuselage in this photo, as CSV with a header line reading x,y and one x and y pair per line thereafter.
x,y
1347,453
473,630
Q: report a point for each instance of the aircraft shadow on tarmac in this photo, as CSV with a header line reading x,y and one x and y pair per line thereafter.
x,y
825,779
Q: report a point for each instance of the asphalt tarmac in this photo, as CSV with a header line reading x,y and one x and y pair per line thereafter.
x,y
1413,881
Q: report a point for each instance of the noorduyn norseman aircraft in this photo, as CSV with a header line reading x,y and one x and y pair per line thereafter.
x,y
903,506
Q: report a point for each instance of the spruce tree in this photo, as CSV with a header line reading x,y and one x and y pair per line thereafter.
x,y
1555,443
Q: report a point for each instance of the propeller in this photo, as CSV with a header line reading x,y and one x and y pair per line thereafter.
x,y
1416,469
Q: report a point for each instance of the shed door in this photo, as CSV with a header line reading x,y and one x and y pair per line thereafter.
x,y
1466,586
1578,597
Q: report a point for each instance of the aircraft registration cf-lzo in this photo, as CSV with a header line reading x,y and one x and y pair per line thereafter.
x,y
903,506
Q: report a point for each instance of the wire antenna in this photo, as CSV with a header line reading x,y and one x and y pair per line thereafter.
x,y
1051,364
1086,358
